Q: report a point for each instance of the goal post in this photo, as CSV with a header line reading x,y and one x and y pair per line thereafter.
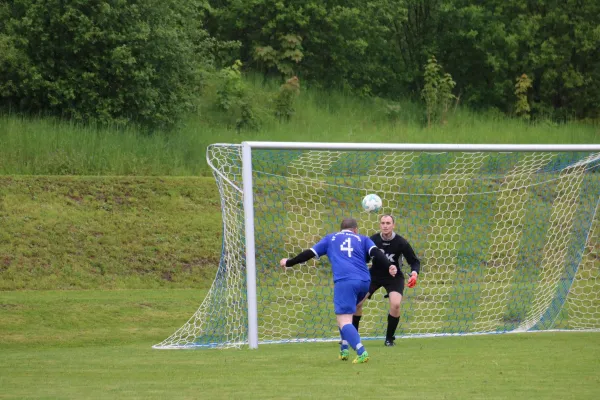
x,y
508,237
250,244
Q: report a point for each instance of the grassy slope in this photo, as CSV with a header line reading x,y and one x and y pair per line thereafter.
x,y
108,232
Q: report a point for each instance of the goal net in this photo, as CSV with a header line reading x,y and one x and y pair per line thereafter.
x,y
509,240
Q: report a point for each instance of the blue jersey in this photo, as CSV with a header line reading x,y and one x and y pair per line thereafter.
x,y
348,253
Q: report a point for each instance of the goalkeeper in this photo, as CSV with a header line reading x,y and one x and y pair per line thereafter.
x,y
394,247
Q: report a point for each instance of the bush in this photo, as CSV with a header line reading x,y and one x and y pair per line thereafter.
x,y
522,88
437,92
233,97
104,61
286,97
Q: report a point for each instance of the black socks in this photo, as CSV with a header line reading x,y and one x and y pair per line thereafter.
x,y
356,320
392,325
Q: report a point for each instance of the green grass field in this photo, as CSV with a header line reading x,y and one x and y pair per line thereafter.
x,y
97,344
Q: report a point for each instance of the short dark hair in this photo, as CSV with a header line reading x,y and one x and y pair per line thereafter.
x,y
349,223
388,215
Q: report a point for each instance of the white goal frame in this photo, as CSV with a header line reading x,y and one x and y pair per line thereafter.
x,y
248,200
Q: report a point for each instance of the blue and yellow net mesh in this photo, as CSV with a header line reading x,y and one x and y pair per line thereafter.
x,y
508,242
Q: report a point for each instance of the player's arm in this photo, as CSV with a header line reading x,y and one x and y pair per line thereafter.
x,y
299,259
316,251
380,260
411,259
387,265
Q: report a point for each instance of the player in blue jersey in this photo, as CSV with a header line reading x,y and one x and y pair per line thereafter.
x,y
348,253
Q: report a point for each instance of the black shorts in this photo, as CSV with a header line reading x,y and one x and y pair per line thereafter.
x,y
389,283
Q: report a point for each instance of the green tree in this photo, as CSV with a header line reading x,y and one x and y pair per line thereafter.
x,y
494,41
284,58
522,88
340,47
233,97
99,60
284,101
430,90
380,47
437,92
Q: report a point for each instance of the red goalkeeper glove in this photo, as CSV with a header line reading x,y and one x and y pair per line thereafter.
x,y
412,281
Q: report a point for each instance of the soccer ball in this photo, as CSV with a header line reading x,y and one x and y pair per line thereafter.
x,y
371,203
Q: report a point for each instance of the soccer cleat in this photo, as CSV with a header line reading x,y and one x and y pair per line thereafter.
x,y
389,343
363,358
344,355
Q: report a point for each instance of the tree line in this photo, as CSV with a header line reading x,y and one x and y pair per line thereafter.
x,y
145,61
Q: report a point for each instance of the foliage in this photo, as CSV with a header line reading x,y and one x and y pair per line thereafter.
x,y
393,111
233,97
330,38
232,87
430,89
112,62
495,41
446,84
522,88
284,58
42,146
380,47
437,92
129,60
284,101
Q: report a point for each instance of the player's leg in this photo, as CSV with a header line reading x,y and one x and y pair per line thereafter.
x,y
393,318
337,300
346,295
357,316
395,289
344,352
359,307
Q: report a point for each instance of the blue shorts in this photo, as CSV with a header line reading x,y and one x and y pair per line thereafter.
x,y
347,294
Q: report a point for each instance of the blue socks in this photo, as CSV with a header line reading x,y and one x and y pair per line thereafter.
x,y
344,344
350,334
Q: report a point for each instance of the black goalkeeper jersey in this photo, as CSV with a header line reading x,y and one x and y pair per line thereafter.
x,y
394,249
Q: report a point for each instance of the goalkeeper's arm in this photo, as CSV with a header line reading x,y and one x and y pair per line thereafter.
x,y
411,259
415,265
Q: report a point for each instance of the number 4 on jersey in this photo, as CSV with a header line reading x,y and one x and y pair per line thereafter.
x,y
348,248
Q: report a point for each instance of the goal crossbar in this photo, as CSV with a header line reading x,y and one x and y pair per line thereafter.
x,y
419,146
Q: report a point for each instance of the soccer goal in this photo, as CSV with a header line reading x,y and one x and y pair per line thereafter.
x,y
508,237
